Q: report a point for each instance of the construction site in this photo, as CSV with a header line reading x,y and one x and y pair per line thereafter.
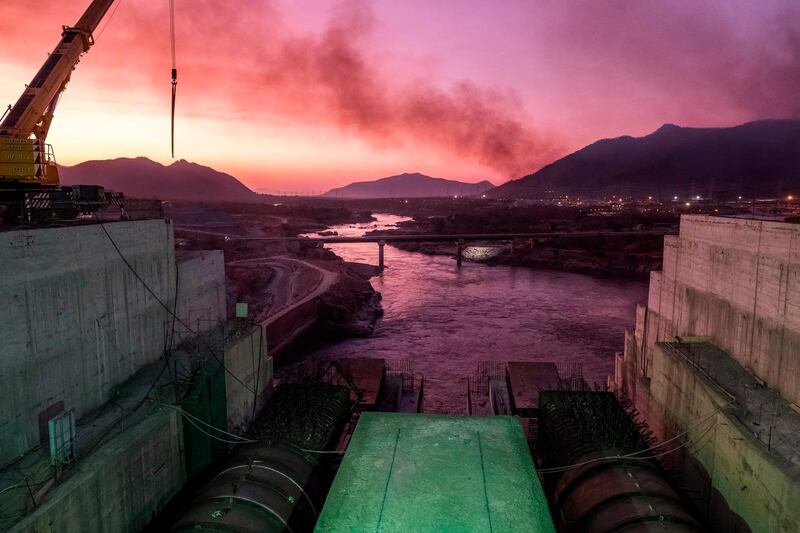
x,y
134,401
141,392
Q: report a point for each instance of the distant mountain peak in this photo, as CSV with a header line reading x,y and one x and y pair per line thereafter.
x,y
668,126
409,185
760,157
141,177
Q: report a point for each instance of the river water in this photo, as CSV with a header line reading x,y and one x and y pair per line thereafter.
x,y
445,319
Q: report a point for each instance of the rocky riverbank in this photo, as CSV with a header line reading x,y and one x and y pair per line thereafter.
x,y
350,307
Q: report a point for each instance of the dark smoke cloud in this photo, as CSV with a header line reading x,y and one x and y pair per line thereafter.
x,y
248,65
476,123
691,61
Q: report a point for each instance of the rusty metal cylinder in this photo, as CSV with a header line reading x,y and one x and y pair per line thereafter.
x,y
618,495
261,489
600,469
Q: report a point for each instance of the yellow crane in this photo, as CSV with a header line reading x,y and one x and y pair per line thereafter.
x,y
29,181
25,157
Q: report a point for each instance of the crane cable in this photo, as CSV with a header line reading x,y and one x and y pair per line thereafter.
x,y
174,74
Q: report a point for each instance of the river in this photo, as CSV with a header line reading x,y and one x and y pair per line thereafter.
x,y
445,319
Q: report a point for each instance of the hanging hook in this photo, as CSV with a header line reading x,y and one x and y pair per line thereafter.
x,y
174,74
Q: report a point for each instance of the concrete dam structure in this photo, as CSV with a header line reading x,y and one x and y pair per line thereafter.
x,y
103,326
128,387
714,366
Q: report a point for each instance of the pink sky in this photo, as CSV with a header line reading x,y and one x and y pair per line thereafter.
x,y
302,96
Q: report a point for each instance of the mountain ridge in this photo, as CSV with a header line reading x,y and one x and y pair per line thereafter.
x,y
141,177
756,157
408,185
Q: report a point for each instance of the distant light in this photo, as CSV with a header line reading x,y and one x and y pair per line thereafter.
x,y
688,204
483,196
697,197
740,198
716,210
649,197
790,197
675,197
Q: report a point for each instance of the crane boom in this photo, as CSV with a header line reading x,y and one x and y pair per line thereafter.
x,y
33,111
29,181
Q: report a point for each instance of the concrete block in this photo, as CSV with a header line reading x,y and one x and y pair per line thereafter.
x,y
76,320
121,486
201,290
246,358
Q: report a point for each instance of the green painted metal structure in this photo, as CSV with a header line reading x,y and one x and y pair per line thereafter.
x,y
411,472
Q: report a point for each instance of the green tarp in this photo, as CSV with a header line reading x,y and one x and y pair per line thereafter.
x,y
410,472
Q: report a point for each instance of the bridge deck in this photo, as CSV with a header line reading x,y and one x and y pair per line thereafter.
x,y
447,237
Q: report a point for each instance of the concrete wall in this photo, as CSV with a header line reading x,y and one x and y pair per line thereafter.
x,y
76,322
201,290
284,328
122,485
242,354
736,471
738,282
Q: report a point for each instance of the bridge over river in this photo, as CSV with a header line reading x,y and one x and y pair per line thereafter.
x,y
458,238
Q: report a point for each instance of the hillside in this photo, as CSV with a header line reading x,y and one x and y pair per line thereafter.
x,y
143,178
413,185
756,158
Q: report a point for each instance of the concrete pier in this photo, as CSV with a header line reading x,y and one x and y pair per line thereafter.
x,y
381,246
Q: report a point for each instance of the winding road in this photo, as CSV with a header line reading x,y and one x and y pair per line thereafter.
x,y
287,286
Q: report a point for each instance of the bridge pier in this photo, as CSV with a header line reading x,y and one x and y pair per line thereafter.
x,y
459,251
381,244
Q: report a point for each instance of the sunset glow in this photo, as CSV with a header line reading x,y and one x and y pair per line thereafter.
x,y
304,96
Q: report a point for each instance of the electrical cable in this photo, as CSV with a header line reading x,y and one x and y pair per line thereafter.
x,y
258,370
17,486
686,444
633,455
201,430
191,416
108,21
243,440
169,346
630,457
166,307
690,428
337,452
